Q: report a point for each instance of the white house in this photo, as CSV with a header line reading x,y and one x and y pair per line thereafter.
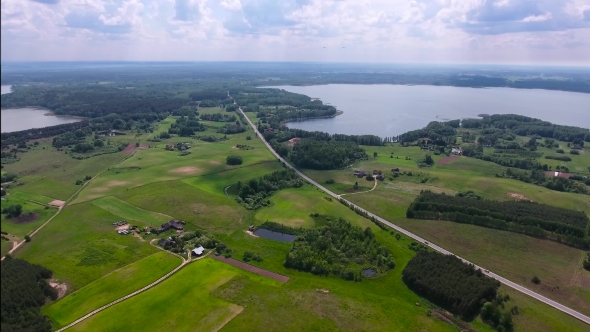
x,y
198,251
456,152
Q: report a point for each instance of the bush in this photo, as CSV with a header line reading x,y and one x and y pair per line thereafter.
x,y
370,177
248,138
536,280
574,152
330,181
27,238
559,151
251,256
13,211
234,160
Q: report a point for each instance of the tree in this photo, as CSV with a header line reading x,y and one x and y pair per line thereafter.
x,y
374,154
536,280
356,185
428,160
234,160
27,238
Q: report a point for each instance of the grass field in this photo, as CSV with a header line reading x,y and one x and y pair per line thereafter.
x,y
26,201
80,245
129,212
110,287
180,303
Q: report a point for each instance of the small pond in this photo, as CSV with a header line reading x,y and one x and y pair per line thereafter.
x,y
368,273
265,233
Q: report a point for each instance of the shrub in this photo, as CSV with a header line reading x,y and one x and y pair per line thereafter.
x,y
574,152
248,138
330,181
27,238
559,151
536,280
234,160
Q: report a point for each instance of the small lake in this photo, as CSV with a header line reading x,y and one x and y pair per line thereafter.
x,y
16,119
265,233
6,89
391,110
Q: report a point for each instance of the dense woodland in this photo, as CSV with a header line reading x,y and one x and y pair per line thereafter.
x,y
284,134
539,220
449,283
254,194
24,291
338,248
323,155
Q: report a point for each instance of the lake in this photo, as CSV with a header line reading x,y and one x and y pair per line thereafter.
x,y
16,119
391,110
6,89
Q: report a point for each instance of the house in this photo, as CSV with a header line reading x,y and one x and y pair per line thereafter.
x,y
170,147
395,170
167,243
111,133
456,152
198,251
380,177
172,224
270,130
293,140
360,174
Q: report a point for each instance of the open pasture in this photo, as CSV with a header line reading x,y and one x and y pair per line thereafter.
x,y
23,225
129,212
110,287
81,245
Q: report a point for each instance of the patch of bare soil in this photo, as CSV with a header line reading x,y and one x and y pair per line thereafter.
x,y
251,234
144,146
57,203
129,149
447,160
60,288
251,268
186,170
111,184
519,196
24,218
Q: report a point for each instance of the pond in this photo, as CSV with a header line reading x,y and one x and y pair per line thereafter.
x,y
368,273
16,119
391,110
265,233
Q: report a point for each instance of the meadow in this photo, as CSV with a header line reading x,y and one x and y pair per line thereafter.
x,y
110,287
30,203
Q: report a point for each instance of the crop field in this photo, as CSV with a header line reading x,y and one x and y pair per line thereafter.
x,y
80,245
110,287
129,212
22,226
181,303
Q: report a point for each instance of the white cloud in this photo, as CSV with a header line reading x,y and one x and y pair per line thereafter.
x,y
292,30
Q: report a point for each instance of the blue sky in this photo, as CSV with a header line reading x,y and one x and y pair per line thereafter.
x,y
433,31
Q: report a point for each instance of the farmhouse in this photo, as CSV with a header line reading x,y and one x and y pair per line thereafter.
x,y
360,174
198,251
457,152
172,224
380,177
167,243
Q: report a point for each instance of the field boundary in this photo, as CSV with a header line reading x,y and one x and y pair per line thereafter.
x,y
252,268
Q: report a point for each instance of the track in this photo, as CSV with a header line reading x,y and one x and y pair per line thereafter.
x,y
490,274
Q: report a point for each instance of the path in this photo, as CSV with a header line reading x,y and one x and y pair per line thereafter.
x,y
361,192
18,245
504,281
166,276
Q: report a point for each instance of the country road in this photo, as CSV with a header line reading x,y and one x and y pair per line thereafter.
x,y
504,281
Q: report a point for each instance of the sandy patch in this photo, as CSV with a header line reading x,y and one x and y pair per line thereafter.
x,y
559,174
61,288
186,170
214,162
250,233
111,184
519,196
144,146
57,203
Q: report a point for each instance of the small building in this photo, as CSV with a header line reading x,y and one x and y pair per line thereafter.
x,y
170,147
172,224
375,172
380,177
167,243
395,170
198,251
293,141
360,174
456,152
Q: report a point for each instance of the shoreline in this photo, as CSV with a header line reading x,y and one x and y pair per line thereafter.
x,y
314,118
48,112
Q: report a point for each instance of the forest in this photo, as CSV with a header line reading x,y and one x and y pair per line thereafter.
x,y
449,283
441,133
24,290
324,155
186,126
254,194
539,178
340,249
218,117
539,220
283,134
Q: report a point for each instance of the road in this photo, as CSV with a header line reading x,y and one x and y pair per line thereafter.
x,y
504,281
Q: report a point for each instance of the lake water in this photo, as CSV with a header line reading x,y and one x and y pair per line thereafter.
x,y
5,89
16,119
274,235
391,110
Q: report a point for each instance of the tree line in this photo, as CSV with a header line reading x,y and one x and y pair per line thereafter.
x,y
448,282
539,220
284,134
539,178
338,248
442,133
24,290
254,194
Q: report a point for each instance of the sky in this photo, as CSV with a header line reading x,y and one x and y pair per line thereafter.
x,y
398,31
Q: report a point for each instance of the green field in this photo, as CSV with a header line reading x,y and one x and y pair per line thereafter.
x,y
129,212
27,201
110,287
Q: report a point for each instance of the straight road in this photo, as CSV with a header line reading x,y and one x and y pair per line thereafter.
x,y
504,281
